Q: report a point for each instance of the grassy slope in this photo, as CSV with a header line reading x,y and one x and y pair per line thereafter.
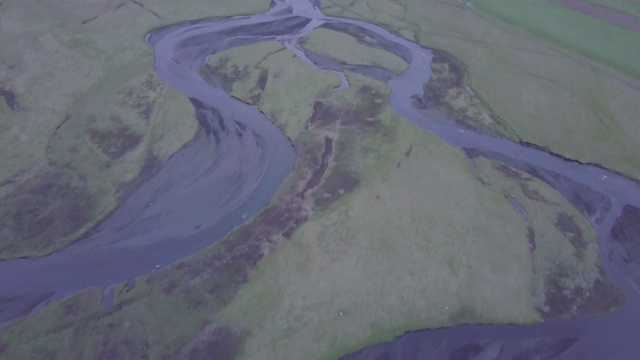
x,y
598,39
548,95
95,112
346,48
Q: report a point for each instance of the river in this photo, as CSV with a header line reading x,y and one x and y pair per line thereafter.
x,y
234,166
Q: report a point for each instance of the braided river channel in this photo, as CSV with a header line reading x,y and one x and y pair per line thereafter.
x,y
237,162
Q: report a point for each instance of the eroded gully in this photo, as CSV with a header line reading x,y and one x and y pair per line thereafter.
x,y
235,165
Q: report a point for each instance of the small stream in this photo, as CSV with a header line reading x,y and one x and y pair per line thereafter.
x,y
235,165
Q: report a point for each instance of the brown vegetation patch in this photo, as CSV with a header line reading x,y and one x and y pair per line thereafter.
x,y
116,142
369,104
44,212
324,114
507,171
10,100
318,173
447,91
341,181
227,73
532,194
564,298
531,237
142,97
523,181
566,224
262,79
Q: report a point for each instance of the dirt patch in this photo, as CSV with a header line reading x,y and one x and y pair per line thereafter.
x,y
609,15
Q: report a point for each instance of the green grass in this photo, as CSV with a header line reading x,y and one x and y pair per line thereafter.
x,y
346,48
630,7
595,38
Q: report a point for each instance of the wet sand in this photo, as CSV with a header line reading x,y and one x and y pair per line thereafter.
x,y
237,162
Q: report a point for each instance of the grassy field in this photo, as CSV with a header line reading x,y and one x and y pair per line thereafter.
x,y
350,50
548,95
95,112
595,38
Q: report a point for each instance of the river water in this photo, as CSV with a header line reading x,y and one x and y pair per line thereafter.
x,y
234,166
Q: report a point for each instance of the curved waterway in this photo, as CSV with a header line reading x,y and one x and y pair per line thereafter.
x,y
234,166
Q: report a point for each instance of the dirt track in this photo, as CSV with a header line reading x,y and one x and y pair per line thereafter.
x,y
602,13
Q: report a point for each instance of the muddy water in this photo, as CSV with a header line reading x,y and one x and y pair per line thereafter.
x,y
235,165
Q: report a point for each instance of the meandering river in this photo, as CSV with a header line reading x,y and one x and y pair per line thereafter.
x,y
235,165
